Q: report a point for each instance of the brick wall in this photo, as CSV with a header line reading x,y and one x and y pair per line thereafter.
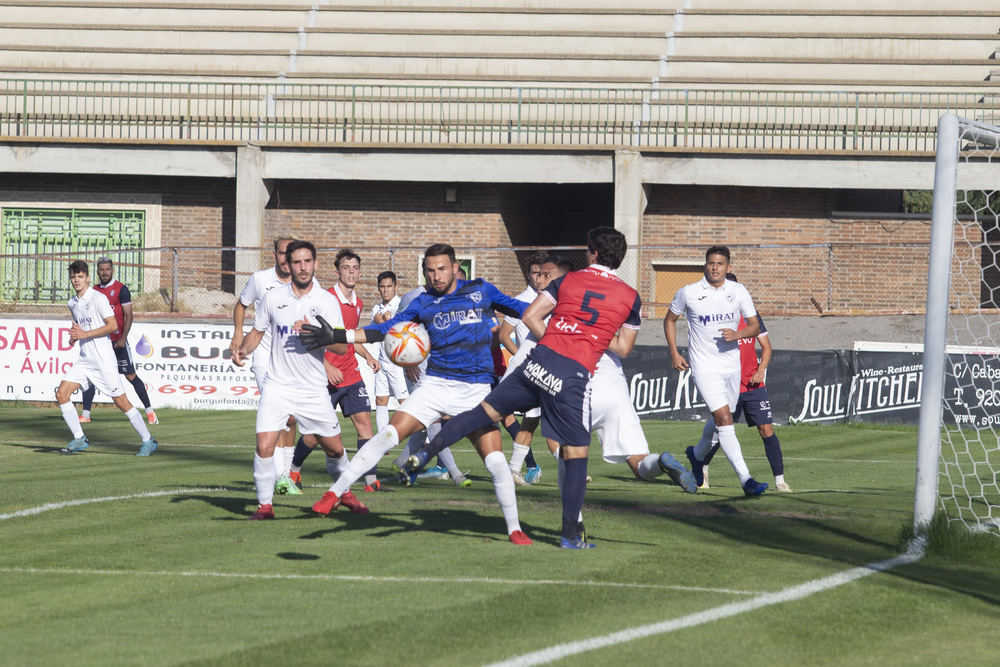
x,y
848,266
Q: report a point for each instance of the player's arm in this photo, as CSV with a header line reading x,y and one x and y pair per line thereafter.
x,y
125,300
333,374
507,305
239,315
506,329
537,311
372,362
247,346
78,333
324,334
624,341
765,359
678,362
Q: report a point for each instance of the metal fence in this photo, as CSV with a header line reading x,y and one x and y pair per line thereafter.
x,y
493,116
789,279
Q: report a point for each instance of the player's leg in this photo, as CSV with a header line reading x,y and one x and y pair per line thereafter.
x,y
307,442
263,474
109,383
336,455
64,397
284,454
362,420
522,447
400,426
87,403
126,367
489,446
757,407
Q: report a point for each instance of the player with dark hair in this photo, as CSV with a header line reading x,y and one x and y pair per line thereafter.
x,y
295,383
389,380
93,322
713,307
346,386
513,334
592,310
753,403
121,302
459,371
259,284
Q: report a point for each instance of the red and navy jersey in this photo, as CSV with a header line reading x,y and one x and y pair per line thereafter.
x,y
749,363
347,362
591,306
117,294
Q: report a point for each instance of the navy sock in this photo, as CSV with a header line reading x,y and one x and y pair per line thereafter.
x,y
88,397
301,452
140,390
711,455
457,428
772,448
513,429
574,488
529,460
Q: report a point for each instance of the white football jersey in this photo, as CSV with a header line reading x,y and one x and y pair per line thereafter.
x,y
520,328
90,311
260,283
410,296
391,308
709,310
291,366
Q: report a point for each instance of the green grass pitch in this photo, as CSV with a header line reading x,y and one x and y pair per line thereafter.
x,y
109,559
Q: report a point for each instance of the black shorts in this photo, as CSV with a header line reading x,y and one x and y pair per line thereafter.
x,y
755,407
558,385
124,357
352,398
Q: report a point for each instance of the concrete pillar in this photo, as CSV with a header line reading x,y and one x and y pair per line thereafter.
x,y
630,204
252,195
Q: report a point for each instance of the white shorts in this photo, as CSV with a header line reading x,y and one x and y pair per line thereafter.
x,y
104,378
718,389
314,413
613,418
517,360
436,397
412,386
391,381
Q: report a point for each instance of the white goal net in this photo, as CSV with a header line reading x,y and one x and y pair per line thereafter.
x,y
958,461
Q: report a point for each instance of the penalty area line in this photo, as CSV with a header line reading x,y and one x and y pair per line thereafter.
x,y
562,651
369,578
86,501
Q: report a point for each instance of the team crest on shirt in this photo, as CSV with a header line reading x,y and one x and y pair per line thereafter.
x,y
313,311
476,296
112,292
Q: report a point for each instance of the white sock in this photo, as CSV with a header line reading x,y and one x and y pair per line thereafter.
x,y
433,430
149,410
778,479
278,461
414,443
71,419
731,448
381,417
365,459
289,455
85,413
503,484
708,437
517,457
649,468
336,467
448,459
263,478
138,423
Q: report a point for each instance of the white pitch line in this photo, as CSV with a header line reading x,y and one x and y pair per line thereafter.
x,y
561,651
86,501
371,578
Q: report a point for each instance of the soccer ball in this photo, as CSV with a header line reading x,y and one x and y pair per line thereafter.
x,y
407,344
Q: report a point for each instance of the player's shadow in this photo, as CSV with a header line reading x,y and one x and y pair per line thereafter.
x,y
440,521
38,449
238,506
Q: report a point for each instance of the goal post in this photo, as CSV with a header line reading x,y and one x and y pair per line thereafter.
x,y
958,446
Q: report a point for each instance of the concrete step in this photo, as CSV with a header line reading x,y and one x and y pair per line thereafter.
x,y
969,6
834,47
847,21
680,69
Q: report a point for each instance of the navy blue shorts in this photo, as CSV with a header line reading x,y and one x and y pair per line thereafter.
x,y
755,406
352,398
124,357
556,384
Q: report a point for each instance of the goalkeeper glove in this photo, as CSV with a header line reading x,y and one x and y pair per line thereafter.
x,y
313,336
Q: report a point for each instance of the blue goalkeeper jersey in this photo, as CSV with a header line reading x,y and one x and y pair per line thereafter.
x,y
459,327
